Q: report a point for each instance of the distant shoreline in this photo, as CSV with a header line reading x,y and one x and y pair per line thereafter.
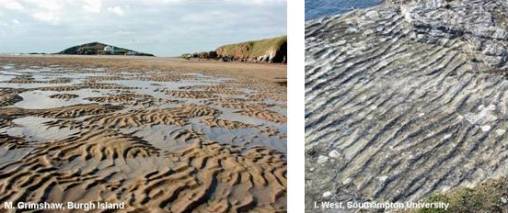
x,y
52,55
274,72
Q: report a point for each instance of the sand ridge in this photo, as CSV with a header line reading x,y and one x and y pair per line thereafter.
x,y
158,140
9,97
64,96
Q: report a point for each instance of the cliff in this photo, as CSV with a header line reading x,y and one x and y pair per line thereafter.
x,y
96,48
272,50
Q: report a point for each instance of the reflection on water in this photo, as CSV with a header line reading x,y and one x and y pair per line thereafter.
x,y
33,129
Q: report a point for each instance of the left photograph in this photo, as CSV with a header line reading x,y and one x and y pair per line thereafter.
x,y
143,106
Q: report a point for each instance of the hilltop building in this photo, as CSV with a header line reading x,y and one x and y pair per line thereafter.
x,y
109,49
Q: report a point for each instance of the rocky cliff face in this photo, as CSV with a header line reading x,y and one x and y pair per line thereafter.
x,y
406,99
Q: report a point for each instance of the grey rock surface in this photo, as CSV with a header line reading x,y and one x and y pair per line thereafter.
x,y
409,98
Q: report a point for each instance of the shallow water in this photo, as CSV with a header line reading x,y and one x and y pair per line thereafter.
x,y
34,129
41,99
161,136
249,137
318,8
9,156
6,77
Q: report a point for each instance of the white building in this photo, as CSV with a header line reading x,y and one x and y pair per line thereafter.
x,y
109,49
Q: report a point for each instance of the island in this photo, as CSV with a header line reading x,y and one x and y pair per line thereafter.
x,y
97,48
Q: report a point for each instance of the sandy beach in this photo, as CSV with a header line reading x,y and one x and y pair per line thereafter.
x,y
157,134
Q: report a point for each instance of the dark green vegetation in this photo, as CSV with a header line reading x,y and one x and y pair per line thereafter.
x,y
97,48
272,50
490,196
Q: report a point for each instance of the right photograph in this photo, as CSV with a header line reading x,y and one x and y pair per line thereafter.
x,y
406,106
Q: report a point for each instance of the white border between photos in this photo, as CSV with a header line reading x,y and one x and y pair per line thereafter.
x,y
295,106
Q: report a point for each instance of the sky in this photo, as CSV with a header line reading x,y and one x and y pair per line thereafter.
x,y
160,27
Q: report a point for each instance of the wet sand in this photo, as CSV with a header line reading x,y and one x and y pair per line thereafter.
x,y
159,134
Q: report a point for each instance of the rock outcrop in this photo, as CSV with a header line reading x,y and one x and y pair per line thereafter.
x,y
272,50
202,55
482,25
96,48
406,99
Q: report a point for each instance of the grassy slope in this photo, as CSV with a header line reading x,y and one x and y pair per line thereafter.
x,y
253,48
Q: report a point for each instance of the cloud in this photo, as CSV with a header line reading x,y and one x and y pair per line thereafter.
x,y
216,16
11,5
260,2
116,10
49,11
47,16
161,1
93,6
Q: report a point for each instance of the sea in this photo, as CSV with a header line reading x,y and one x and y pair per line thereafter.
x,y
318,8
